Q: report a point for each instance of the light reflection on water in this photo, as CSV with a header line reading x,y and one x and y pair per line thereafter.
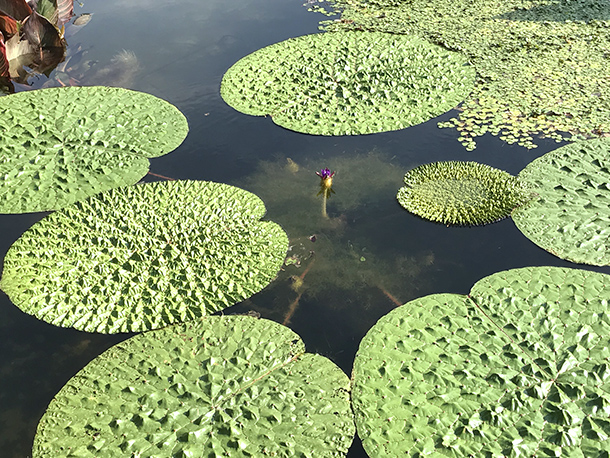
x,y
369,248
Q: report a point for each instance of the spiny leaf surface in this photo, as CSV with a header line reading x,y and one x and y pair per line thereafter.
x,y
518,368
145,256
348,83
219,386
460,193
61,145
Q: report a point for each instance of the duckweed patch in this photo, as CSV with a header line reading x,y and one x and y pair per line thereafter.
x,y
541,65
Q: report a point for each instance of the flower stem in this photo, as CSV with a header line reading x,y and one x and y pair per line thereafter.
x,y
324,214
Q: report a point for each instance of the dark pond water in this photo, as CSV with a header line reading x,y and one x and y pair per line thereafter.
x,y
369,250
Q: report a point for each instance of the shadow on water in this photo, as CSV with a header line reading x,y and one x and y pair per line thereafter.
x,y
562,11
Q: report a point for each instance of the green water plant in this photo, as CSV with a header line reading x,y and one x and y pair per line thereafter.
x,y
61,145
570,217
541,65
217,386
143,257
461,193
348,83
517,368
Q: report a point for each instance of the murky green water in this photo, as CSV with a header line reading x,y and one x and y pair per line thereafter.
x,y
369,254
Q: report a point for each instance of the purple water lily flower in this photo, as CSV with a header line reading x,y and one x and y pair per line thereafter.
x,y
325,173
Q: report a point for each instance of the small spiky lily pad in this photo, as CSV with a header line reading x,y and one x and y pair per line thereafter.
x,y
348,83
571,215
62,145
518,368
219,386
461,193
142,257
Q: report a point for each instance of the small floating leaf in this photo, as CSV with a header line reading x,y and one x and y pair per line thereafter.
x,y
219,386
145,256
460,193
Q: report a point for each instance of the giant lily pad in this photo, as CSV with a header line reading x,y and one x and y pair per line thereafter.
x,y
461,193
348,83
220,386
518,368
145,256
571,216
61,145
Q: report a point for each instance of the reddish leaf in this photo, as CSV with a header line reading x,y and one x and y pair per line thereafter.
x,y
17,9
40,32
8,25
3,59
65,11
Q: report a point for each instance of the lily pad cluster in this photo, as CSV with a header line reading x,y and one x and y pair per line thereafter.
x,y
348,83
218,386
461,193
517,368
144,257
570,217
62,145
541,66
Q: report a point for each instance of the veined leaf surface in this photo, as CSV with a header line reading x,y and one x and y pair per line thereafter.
x,y
143,257
518,368
61,145
219,386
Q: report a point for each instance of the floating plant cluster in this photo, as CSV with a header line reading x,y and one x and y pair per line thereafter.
x,y
517,367
541,66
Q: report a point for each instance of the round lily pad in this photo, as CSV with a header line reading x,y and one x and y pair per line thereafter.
x,y
61,145
348,83
518,368
571,215
219,386
143,257
460,193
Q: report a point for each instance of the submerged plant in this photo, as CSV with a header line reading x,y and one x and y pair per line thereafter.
x,y
326,189
348,83
461,193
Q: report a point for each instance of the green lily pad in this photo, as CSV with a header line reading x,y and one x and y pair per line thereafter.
x,y
143,257
348,83
62,145
219,386
461,193
518,368
571,216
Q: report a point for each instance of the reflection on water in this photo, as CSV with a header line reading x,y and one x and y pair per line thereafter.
x,y
368,255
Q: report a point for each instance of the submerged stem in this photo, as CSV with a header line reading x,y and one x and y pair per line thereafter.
x,y
324,214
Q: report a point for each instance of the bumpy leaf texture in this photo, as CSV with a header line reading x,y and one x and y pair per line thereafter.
x,y
518,368
145,256
220,386
571,215
61,145
348,83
